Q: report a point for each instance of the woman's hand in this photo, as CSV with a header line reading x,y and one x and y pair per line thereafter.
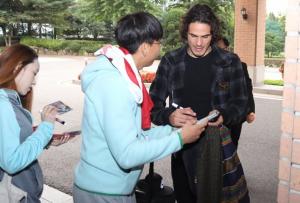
x,y
59,139
49,114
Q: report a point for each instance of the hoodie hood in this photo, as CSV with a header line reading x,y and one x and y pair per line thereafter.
x,y
12,96
101,66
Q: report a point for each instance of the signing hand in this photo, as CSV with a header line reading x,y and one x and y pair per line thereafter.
x,y
180,116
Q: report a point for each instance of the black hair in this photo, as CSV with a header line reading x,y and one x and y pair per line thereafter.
x,y
202,14
225,41
134,29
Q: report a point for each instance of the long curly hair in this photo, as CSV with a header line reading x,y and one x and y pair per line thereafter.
x,y
203,14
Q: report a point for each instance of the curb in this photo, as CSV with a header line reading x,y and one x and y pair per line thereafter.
x,y
269,89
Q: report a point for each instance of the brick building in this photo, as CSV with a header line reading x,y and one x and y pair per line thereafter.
x,y
249,45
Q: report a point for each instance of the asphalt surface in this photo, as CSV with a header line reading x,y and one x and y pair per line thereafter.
x,y
258,148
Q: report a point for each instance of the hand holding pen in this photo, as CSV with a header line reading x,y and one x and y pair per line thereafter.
x,y
56,119
182,115
60,121
176,106
49,114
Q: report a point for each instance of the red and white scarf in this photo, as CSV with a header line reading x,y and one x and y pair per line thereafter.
x,y
123,61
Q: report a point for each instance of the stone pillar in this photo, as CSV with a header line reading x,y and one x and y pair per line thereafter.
x,y
289,160
249,36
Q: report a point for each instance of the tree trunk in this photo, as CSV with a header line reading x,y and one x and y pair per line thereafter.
x,y
10,34
29,30
95,35
40,30
3,27
9,40
7,35
54,32
22,28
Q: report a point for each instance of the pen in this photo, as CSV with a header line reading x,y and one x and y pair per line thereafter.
x,y
60,121
176,106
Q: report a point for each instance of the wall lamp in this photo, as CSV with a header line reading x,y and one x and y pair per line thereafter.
x,y
244,13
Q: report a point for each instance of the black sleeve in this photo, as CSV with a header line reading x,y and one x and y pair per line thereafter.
x,y
251,104
159,93
235,110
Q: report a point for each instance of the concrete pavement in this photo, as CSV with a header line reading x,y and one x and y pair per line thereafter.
x,y
55,82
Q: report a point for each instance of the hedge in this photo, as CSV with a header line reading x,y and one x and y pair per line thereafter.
x,y
68,46
274,82
274,62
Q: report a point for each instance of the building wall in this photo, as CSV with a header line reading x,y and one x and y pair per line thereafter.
x,y
261,30
289,160
249,36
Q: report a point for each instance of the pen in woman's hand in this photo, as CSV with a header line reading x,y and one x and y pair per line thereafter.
x,y
60,121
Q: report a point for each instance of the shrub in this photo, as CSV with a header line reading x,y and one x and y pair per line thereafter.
x,y
274,82
274,62
148,77
91,48
29,41
54,45
71,46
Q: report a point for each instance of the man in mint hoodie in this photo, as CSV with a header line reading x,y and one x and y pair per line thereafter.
x,y
117,138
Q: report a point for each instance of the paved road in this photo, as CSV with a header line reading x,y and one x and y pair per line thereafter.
x,y
259,145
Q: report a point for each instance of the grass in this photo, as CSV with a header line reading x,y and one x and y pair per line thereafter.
x,y
274,82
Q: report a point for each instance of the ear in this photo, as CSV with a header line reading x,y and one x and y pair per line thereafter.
x,y
145,48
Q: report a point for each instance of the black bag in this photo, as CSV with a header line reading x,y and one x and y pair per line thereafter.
x,y
151,189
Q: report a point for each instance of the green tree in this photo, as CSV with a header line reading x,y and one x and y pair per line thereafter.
x,y
52,12
85,21
114,9
75,26
99,16
171,25
8,17
14,13
275,35
271,45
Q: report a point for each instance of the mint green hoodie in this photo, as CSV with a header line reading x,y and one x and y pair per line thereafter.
x,y
20,146
114,147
